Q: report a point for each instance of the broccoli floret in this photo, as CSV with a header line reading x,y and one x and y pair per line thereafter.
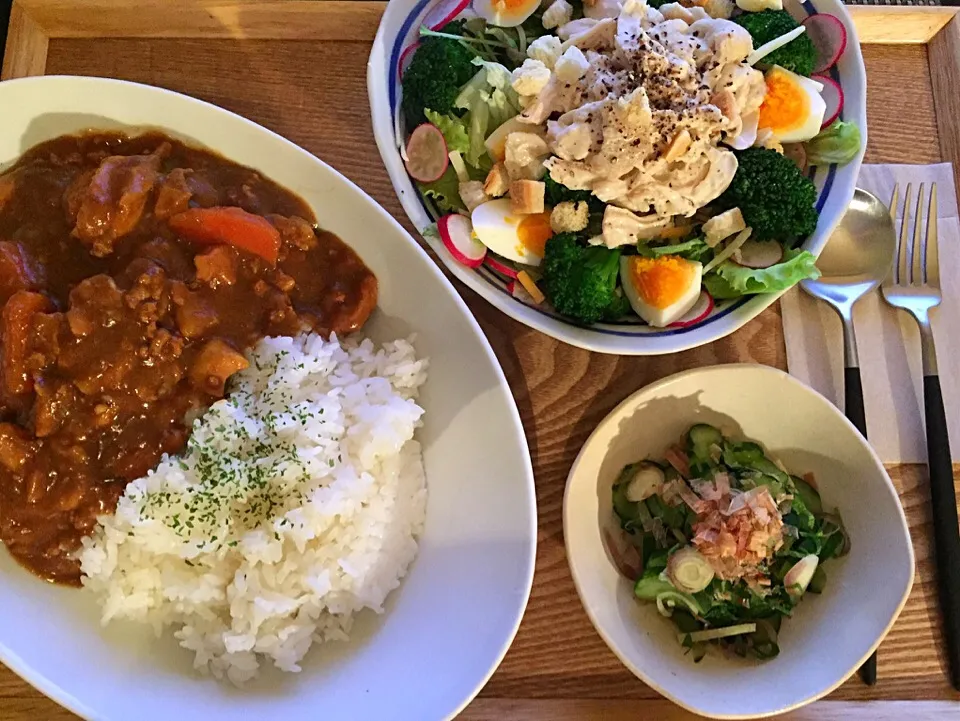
x,y
776,198
798,55
437,71
555,193
581,281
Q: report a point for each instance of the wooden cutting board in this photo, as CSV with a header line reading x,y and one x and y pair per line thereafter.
x,y
299,68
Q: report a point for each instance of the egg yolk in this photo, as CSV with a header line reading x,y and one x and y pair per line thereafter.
x,y
661,282
506,8
533,232
786,105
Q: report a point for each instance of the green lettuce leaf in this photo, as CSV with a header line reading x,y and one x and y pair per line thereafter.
x,y
729,280
453,129
839,143
445,192
490,101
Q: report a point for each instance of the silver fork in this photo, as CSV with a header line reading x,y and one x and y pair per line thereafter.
x,y
914,286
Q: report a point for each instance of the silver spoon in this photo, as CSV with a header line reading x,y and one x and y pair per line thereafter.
x,y
857,258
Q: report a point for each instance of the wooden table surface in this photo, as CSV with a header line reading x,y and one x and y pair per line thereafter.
x,y
558,668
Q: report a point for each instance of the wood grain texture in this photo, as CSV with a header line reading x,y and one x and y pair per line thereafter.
x,y
944,53
213,19
298,20
896,26
26,49
558,668
541,710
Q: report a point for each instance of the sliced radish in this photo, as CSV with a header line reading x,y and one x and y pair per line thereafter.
x,y
501,268
759,254
832,95
443,12
829,38
456,231
427,158
405,57
701,309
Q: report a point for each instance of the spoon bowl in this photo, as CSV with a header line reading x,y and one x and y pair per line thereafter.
x,y
858,255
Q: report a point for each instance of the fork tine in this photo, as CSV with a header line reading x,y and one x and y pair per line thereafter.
x,y
916,248
903,246
931,250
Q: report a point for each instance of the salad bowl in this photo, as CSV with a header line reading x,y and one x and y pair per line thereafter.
x,y
828,636
398,34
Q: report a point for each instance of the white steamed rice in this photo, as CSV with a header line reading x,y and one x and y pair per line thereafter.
x,y
296,505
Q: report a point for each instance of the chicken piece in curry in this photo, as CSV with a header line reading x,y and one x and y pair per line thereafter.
x,y
134,272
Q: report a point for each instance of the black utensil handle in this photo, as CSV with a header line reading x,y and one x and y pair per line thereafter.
x,y
853,407
853,399
946,532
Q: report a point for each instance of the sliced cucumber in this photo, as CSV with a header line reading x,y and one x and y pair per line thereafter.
x,y
649,587
762,479
809,495
622,506
699,440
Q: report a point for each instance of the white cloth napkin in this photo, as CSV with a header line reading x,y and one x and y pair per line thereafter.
x,y
887,339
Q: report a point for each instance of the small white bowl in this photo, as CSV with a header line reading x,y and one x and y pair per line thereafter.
x,y
451,621
829,636
399,29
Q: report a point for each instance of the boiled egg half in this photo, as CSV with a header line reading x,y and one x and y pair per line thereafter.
x,y
505,13
793,108
660,290
520,238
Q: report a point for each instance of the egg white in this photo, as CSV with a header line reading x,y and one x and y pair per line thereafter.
x,y
815,112
661,317
495,225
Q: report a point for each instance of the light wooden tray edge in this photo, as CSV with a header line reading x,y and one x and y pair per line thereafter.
x,y
34,22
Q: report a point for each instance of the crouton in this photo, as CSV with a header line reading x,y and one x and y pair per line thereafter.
x,y
721,9
498,182
720,227
570,216
526,196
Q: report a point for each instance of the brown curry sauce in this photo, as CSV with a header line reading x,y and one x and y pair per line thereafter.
x,y
114,327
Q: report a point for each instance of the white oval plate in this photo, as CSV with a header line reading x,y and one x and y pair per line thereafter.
x,y
449,624
399,29
829,636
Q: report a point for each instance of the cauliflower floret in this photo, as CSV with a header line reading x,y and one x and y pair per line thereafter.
x,y
570,216
572,65
559,13
546,49
530,78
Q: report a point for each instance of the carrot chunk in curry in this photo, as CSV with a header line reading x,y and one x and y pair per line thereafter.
x,y
134,272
